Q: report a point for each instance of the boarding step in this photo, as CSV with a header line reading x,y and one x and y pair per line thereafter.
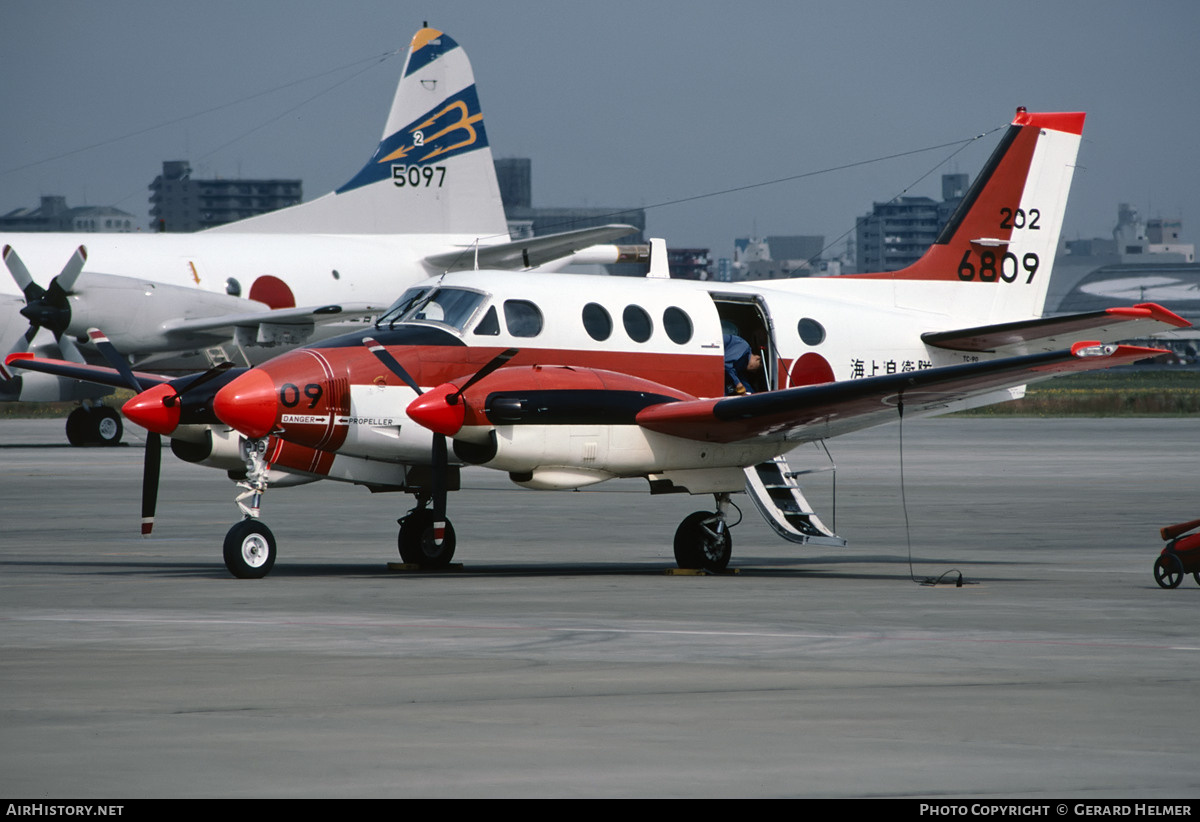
x,y
778,497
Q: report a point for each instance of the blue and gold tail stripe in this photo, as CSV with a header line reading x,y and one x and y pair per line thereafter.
x,y
453,127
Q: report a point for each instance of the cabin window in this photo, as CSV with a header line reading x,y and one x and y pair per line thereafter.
x,y
597,322
489,326
523,318
811,331
637,322
678,325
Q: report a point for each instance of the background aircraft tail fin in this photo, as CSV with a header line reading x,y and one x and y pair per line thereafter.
x,y
432,172
1004,234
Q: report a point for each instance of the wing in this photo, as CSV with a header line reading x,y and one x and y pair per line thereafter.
x,y
1052,333
310,316
527,253
99,374
820,411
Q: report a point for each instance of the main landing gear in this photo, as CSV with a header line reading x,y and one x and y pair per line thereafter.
x,y
702,541
420,542
94,425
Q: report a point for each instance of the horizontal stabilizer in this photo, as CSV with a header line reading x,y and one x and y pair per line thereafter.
x,y
527,253
830,409
1050,333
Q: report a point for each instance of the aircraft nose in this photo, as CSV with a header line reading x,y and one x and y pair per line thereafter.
x,y
154,409
248,404
434,411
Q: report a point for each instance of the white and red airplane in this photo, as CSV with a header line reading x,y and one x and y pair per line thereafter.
x,y
563,381
427,201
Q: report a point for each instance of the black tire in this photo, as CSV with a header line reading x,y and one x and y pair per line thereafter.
x,y
249,550
697,545
1168,571
77,425
416,541
100,425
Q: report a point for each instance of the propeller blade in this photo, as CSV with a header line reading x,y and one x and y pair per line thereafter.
x,y
385,357
440,459
114,358
65,281
210,374
70,351
496,362
17,268
150,471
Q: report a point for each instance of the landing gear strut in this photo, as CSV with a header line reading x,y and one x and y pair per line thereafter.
x,y
702,541
249,545
97,425
418,539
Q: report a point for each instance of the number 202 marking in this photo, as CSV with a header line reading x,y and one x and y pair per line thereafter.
x,y
1018,219
985,266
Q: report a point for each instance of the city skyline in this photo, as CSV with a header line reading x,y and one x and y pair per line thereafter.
x,y
683,109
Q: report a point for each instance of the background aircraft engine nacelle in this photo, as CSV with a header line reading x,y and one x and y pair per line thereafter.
x,y
103,301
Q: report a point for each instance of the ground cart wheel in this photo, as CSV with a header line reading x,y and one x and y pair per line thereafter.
x,y
1168,571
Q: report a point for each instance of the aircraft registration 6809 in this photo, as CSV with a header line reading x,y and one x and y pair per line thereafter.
x,y
562,381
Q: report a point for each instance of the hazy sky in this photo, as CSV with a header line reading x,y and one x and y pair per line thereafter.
x,y
617,103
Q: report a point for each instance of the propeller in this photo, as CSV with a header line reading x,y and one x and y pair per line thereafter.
x,y
442,408
47,308
157,410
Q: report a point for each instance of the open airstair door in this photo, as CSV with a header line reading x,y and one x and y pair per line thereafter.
x,y
773,487
746,316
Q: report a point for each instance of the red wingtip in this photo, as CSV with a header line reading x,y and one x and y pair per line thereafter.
x,y
18,355
248,404
433,411
150,410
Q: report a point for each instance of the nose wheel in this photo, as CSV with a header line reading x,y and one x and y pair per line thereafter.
x,y
419,541
249,550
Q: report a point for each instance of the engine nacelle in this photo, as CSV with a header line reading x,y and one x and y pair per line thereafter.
x,y
216,447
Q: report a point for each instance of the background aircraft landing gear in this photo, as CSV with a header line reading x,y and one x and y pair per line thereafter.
x,y
416,542
249,549
98,425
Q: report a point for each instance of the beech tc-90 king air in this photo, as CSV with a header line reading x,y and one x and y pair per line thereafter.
x,y
570,381
427,201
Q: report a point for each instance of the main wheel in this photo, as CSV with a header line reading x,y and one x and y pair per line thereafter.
x,y
416,541
249,550
1168,571
100,425
107,427
77,426
699,546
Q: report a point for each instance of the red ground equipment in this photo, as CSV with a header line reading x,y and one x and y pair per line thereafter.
x,y
1181,556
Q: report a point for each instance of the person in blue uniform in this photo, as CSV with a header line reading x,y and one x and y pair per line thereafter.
x,y
740,362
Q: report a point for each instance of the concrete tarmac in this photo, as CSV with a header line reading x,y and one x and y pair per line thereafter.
x,y
562,660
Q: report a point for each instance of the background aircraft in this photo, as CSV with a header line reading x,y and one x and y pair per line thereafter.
x,y
426,201
615,378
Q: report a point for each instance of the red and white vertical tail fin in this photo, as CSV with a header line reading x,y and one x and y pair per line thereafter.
x,y
1004,234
